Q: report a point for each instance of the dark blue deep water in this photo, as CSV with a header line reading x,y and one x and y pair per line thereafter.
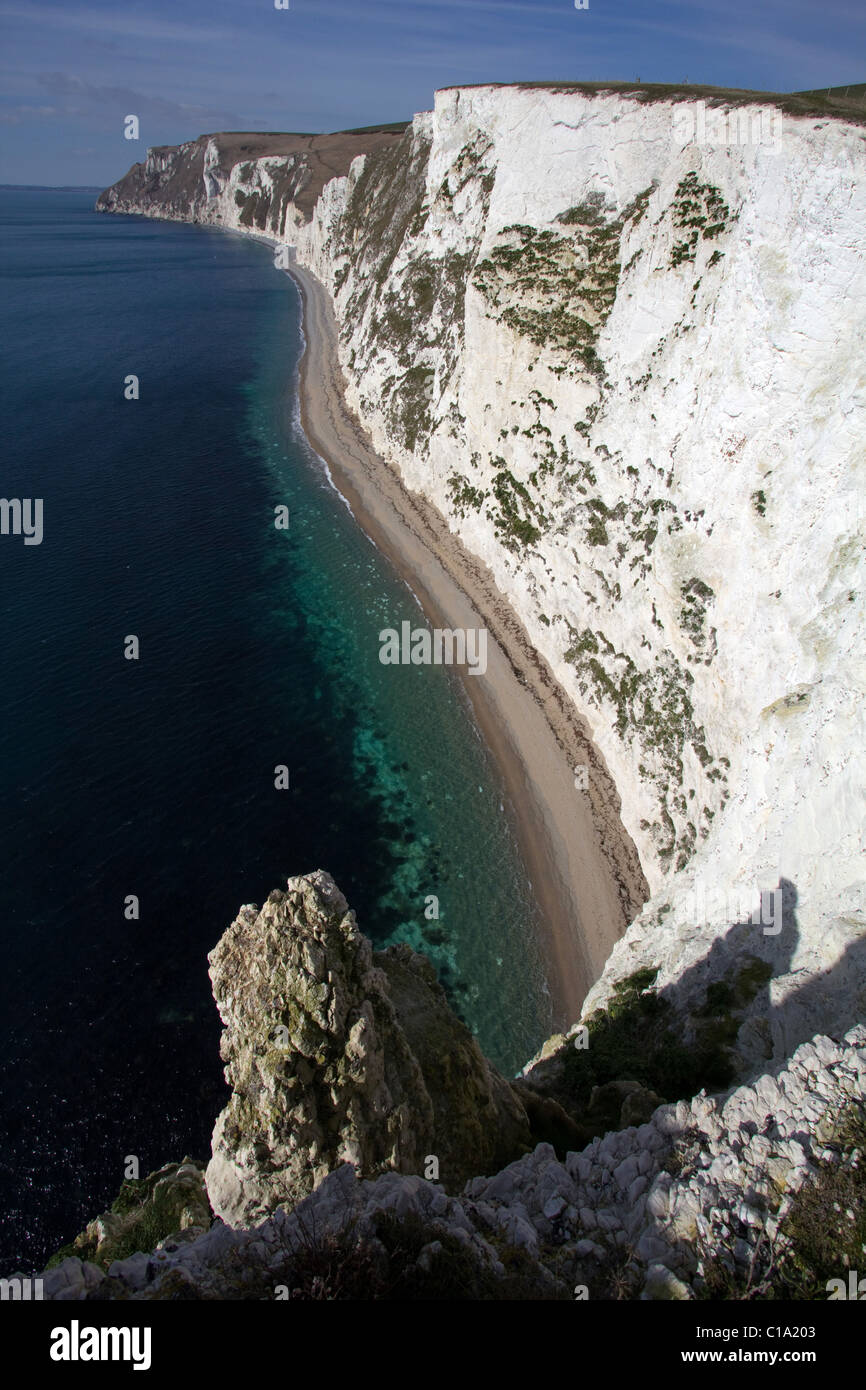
x,y
155,777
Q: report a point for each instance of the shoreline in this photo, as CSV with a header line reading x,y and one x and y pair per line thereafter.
x,y
583,867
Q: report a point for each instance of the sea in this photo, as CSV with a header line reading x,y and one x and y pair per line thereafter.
x,y
149,389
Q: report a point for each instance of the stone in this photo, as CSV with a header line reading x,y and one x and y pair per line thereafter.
x,y
71,1280
553,1207
662,1283
579,1166
131,1271
636,1189
639,1106
587,1247
658,1201
652,1247
335,1052
626,1171
608,1220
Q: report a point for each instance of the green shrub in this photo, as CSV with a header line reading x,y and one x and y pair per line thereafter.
x,y
639,1038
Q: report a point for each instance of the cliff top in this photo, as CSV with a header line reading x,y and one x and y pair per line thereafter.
x,y
848,102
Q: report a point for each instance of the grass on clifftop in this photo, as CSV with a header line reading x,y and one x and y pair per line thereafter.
x,y
847,103
146,1211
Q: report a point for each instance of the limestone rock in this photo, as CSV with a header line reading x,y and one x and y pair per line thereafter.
x,y
336,1053
521,1232
638,1106
71,1280
170,1202
662,1284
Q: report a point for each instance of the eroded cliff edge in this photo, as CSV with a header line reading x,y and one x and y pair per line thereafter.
x,y
368,1150
663,472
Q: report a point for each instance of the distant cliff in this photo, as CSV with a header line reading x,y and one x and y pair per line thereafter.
x,y
258,182
615,337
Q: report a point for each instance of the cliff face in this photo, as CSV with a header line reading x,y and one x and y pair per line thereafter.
x,y
623,365
253,182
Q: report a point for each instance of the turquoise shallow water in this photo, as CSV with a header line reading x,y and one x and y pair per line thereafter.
x,y
259,647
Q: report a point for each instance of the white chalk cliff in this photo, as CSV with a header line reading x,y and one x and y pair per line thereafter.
x,y
628,368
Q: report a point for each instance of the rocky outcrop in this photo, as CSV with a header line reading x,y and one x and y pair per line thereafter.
x,y
165,1208
709,1197
339,1054
350,1072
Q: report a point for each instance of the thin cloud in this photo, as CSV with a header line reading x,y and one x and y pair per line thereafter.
x,y
792,50
63,84
14,115
125,24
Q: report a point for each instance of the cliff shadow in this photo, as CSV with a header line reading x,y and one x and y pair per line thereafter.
x,y
735,1013
750,987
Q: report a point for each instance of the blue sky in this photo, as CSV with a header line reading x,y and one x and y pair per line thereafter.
x,y
71,72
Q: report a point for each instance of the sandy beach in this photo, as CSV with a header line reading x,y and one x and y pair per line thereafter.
x,y
584,868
